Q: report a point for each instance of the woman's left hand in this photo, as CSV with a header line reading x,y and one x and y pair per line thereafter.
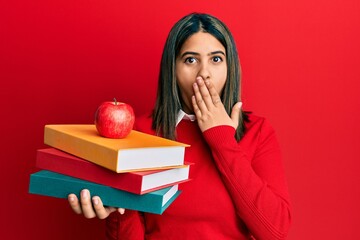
x,y
209,109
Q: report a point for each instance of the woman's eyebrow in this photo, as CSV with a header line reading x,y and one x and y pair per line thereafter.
x,y
197,54
189,53
217,52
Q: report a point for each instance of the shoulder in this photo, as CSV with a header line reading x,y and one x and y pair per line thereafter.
x,y
255,123
259,134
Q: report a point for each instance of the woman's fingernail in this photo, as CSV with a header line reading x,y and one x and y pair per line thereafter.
x,y
121,211
84,193
96,201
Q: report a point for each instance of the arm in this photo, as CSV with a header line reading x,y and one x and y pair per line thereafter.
x,y
256,183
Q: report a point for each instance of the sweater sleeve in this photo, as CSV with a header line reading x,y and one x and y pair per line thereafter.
x,y
256,180
129,226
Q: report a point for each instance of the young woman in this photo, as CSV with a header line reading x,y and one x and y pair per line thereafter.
x,y
238,188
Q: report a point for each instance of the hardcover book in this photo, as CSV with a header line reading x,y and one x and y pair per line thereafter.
x,y
137,152
136,182
53,184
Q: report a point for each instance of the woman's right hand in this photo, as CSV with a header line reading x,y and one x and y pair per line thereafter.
x,y
91,207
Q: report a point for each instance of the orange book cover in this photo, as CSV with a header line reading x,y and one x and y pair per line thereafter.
x,y
137,152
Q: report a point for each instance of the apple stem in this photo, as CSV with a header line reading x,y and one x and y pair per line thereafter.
x,y
115,101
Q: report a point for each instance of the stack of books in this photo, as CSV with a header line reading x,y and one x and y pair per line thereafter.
x,y
140,172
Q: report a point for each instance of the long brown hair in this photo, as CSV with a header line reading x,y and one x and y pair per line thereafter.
x,y
168,101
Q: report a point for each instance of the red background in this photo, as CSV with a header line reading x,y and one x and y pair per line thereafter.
x,y
60,59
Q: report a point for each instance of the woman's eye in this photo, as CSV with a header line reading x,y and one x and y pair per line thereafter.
x,y
217,59
190,60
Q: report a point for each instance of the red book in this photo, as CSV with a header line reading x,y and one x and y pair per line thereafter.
x,y
136,182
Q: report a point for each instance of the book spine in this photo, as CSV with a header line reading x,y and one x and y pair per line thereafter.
x,y
56,185
82,148
51,159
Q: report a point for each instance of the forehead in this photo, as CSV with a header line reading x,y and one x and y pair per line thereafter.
x,y
202,42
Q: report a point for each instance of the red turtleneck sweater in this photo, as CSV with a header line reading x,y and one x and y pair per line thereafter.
x,y
238,189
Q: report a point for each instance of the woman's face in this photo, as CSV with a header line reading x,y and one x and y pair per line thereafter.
x,y
201,55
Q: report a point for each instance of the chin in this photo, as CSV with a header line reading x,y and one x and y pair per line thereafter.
x,y
187,109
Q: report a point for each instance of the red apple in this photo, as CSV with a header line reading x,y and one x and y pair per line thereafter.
x,y
114,119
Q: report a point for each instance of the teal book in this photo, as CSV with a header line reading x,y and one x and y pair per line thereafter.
x,y
53,184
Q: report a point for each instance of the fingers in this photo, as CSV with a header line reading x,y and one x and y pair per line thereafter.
x,y
121,210
198,102
208,107
91,207
74,203
206,96
215,98
86,205
235,114
101,211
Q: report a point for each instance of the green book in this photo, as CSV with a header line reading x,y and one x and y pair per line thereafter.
x,y
53,184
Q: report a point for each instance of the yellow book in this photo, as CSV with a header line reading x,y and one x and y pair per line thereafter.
x,y
137,152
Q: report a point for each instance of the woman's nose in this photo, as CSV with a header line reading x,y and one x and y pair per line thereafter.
x,y
204,72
